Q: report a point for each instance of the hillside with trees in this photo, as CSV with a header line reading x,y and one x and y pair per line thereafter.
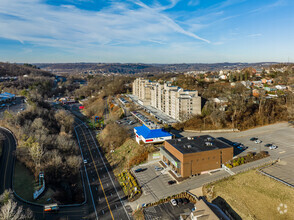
x,y
139,68
9,69
239,108
46,143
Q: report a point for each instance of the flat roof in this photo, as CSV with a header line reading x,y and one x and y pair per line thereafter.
x,y
197,144
151,133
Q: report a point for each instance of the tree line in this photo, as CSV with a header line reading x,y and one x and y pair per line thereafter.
x,y
46,143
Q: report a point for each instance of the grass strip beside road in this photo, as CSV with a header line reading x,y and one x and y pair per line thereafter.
x,y
24,182
253,196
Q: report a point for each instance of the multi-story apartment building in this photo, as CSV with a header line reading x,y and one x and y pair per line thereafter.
x,y
142,89
174,101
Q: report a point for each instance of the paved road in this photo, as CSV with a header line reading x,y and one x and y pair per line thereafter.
x,y
106,194
6,172
105,197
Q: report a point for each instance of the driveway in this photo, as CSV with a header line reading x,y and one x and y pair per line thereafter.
x,y
166,211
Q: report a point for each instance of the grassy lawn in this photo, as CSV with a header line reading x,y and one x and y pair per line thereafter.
x,y
252,196
24,185
120,158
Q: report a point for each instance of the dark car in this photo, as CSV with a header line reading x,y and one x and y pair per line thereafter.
x,y
140,170
186,201
268,145
179,201
253,139
171,182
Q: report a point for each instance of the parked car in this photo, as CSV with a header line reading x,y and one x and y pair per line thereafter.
x,y
268,145
140,170
171,182
158,168
173,202
85,161
253,139
257,141
179,201
186,201
273,147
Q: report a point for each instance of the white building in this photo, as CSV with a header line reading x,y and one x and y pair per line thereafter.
x,y
174,101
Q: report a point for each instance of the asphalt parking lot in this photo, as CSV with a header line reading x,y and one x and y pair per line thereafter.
x,y
282,170
280,134
155,184
167,211
15,108
125,122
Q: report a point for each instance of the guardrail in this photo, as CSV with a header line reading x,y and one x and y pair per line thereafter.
x,y
214,131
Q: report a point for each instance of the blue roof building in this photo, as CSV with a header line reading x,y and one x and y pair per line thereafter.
x,y
143,133
6,96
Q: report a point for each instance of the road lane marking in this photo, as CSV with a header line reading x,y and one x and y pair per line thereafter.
x,y
87,177
98,176
107,171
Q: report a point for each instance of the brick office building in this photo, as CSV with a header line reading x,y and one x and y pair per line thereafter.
x,y
192,155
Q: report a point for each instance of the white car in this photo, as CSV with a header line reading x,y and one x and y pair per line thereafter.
x,y
173,202
158,168
273,147
258,141
85,161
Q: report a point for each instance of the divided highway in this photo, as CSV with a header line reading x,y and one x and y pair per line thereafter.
x,y
104,195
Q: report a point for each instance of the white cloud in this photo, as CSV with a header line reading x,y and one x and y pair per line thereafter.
x,y
254,35
67,26
194,2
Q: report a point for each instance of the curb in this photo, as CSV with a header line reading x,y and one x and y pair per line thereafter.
x,y
32,203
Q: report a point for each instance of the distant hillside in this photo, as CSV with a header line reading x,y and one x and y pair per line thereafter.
x,y
100,68
137,68
8,69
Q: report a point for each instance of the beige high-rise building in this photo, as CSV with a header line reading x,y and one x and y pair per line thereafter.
x,y
172,100
142,89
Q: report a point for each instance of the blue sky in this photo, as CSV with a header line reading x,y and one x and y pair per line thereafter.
x,y
146,31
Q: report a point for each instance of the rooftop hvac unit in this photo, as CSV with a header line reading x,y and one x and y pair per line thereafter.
x,y
179,140
189,146
208,143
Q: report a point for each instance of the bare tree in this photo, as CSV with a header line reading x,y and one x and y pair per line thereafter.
x,y
36,151
9,209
